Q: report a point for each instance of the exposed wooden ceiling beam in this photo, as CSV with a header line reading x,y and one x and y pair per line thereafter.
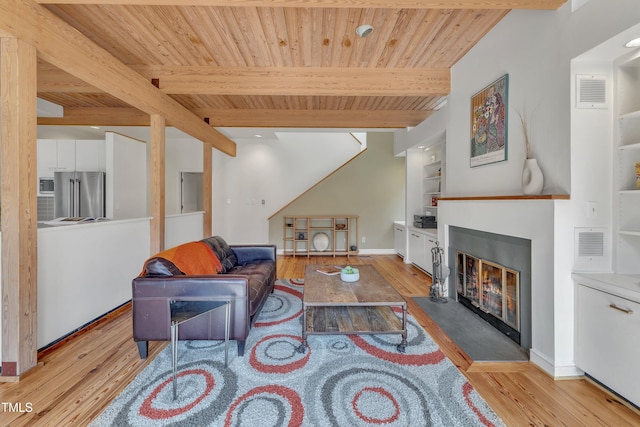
x,y
300,81
54,80
314,118
247,118
98,117
359,4
86,60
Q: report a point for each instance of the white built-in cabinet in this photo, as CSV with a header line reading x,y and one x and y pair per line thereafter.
x,y
400,239
425,184
626,169
70,155
607,325
420,245
607,345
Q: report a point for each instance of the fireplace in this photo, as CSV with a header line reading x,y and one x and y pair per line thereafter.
x,y
493,279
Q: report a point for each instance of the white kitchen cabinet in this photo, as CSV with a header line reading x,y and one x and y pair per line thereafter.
x,y
430,243
66,155
420,245
400,239
89,155
47,157
607,338
69,155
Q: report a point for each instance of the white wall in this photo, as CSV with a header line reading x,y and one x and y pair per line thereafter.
x,y
527,45
182,155
126,177
183,228
573,148
274,170
85,271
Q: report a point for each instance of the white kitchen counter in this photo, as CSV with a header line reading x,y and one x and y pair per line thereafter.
x,y
431,232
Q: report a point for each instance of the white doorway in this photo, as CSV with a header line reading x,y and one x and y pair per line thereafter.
x,y
190,192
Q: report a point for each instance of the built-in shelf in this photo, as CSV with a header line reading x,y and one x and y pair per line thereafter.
x,y
634,146
629,233
432,177
631,115
626,162
516,197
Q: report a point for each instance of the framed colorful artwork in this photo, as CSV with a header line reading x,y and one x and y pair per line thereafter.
x,y
489,123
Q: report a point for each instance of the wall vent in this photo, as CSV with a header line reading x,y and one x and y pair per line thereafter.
x,y
591,249
591,91
590,244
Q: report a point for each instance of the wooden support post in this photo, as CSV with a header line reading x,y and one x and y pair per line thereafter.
x,y
157,182
207,188
19,221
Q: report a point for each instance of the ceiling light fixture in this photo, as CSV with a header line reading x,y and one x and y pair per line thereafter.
x,y
94,127
257,135
633,43
364,30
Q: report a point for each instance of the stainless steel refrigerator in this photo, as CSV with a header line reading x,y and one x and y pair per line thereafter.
x,y
79,194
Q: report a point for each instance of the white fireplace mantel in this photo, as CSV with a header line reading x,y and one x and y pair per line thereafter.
x,y
539,219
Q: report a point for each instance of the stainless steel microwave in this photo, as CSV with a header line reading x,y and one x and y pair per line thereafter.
x,y
46,186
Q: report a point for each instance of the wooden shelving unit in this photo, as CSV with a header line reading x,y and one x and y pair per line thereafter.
x,y
325,235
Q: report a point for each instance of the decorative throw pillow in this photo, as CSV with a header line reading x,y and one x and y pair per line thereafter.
x,y
222,250
156,266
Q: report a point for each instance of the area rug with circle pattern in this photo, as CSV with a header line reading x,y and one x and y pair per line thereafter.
x,y
341,380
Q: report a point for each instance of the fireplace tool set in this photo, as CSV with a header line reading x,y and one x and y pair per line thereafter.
x,y
439,275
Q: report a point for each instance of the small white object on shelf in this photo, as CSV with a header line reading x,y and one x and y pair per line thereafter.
x,y
321,241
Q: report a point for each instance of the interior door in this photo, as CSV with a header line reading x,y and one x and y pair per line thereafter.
x,y
190,192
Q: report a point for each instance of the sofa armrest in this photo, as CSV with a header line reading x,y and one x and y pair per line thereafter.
x,y
191,287
152,295
250,253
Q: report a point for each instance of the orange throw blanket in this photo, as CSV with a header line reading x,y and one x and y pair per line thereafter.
x,y
193,258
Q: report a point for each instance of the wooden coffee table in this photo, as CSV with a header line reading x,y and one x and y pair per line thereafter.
x,y
331,306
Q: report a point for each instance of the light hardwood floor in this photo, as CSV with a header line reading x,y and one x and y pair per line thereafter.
x,y
79,378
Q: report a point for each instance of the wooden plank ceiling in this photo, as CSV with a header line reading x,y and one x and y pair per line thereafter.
x,y
272,63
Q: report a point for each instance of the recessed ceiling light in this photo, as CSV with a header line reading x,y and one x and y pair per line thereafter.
x,y
633,43
364,30
257,135
94,127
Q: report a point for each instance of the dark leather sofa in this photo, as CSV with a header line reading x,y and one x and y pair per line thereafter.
x,y
248,276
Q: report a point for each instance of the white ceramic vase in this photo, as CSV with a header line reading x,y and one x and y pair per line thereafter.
x,y
532,179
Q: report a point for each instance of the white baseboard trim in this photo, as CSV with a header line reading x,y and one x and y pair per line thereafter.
x,y
377,252
568,370
361,252
542,361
